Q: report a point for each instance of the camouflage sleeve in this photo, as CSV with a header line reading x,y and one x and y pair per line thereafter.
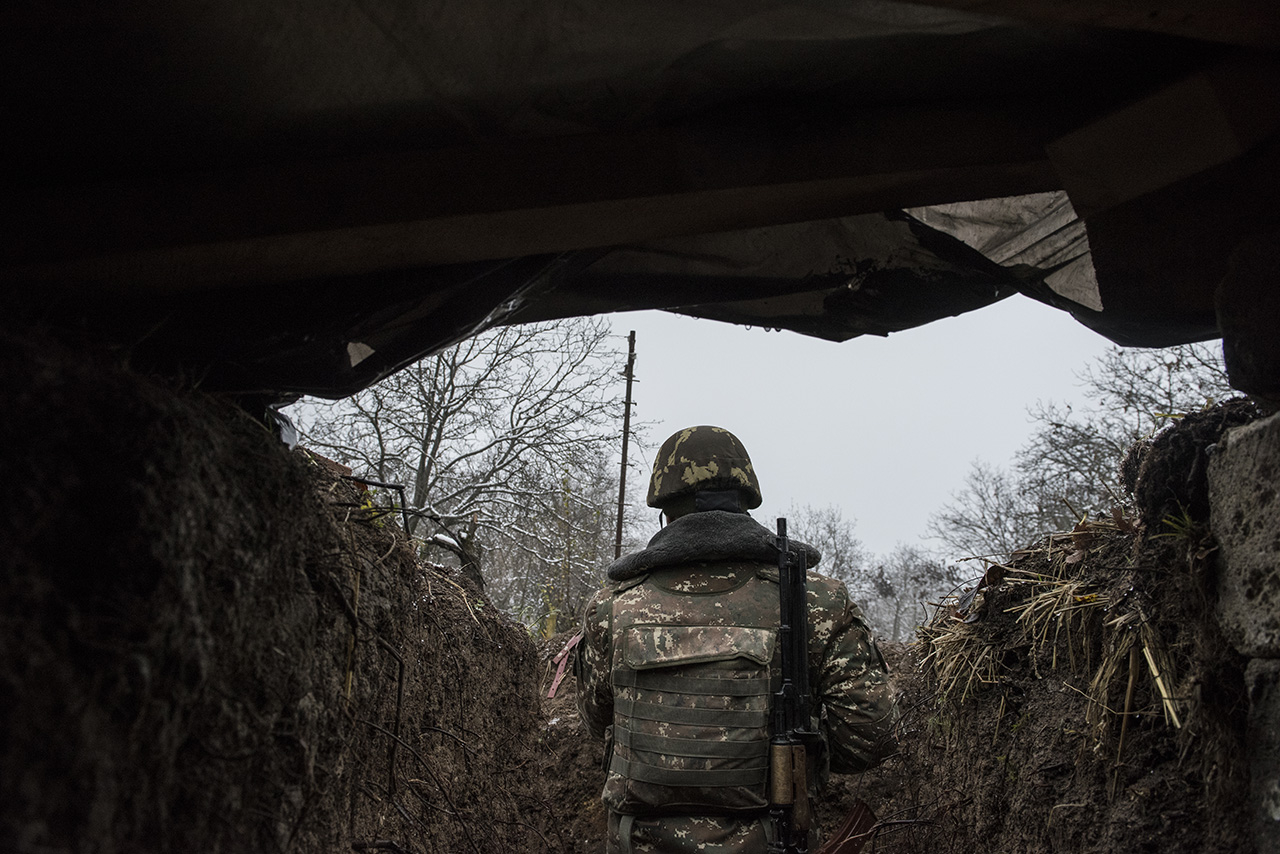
x,y
852,684
591,666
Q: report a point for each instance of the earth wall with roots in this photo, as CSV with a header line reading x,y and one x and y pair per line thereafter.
x,y
211,643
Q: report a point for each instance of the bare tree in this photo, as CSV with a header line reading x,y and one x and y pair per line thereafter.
x,y
989,516
1151,387
905,581
890,589
827,530
547,588
1069,467
494,439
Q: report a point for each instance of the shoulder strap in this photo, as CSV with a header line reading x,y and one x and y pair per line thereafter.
x,y
629,583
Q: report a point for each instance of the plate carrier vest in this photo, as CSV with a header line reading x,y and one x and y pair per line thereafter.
x,y
693,678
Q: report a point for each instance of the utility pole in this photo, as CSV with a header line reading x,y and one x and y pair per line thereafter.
x,y
626,436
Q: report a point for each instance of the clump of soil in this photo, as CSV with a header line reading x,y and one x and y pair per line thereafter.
x,y
1168,474
210,643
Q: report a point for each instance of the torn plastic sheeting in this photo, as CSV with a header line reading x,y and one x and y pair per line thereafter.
x,y
1037,235
834,279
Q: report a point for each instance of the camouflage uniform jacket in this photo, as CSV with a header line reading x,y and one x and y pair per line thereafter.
x,y
695,611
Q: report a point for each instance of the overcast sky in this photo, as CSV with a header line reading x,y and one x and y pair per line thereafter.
x,y
884,428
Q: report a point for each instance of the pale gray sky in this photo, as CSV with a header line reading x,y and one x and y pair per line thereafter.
x,y
885,428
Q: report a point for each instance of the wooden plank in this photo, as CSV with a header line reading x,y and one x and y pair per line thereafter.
x,y
528,231
1202,121
1250,23
531,197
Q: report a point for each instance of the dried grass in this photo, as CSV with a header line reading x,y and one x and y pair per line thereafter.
x,y
960,656
1063,615
1063,607
1107,624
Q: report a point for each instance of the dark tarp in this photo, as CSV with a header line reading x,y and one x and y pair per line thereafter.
x,y
294,197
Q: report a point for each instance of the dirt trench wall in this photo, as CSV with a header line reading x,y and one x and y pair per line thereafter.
x,y
1244,475
205,645
1085,697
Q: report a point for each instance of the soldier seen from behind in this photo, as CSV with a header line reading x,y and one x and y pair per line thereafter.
x,y
680,661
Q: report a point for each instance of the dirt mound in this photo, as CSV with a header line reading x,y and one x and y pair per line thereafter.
x,y
211,644
1168,475
1081,698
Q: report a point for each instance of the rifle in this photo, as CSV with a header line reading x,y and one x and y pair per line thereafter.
x,y
789,808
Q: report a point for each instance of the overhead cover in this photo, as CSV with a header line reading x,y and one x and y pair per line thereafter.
x,y
297,197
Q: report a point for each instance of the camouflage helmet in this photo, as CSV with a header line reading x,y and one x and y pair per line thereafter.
x,y
698,458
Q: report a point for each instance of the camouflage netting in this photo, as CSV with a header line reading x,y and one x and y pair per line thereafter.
x,y
208,645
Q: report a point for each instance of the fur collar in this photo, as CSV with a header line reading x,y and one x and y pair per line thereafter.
x,y
713,535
